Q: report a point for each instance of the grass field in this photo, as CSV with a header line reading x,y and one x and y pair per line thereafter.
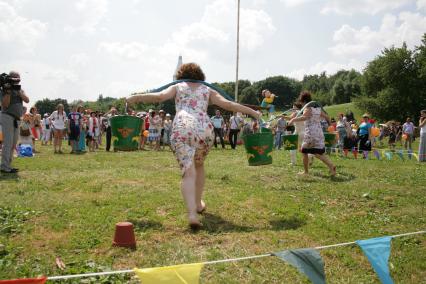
x,y
334,110
66,206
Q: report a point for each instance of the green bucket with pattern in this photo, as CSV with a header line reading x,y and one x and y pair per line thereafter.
x,y
290,141
329,139
125,130
259,147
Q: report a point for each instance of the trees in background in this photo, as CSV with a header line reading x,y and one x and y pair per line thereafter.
x,y
48,106
393,84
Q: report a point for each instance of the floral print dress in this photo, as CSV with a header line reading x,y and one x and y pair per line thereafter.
x,y
192,131
314,137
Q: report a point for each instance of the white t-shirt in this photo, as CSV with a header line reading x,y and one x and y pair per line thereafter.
x,y
58,120
236,122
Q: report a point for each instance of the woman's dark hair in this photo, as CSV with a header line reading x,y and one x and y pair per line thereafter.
x,y
297,105
424,111
305,97
32,109
190,71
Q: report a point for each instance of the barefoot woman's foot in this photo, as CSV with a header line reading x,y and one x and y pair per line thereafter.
x,y
201,208
333,171
303,174
194,223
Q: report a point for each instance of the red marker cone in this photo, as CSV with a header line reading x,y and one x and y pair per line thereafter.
x,y
124,235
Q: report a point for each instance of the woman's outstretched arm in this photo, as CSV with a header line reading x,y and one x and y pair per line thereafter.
x,y
306,114
159,97
217,99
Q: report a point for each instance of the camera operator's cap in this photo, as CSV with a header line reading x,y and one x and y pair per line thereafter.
x,y
161,111
14,74
46,114
150,110
168,114
365,115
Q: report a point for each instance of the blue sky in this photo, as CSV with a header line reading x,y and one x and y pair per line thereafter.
x,y
80,49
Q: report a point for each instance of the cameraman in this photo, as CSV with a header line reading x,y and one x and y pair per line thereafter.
x,y
12,98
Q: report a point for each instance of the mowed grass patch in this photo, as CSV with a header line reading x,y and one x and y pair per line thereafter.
x,y
67,206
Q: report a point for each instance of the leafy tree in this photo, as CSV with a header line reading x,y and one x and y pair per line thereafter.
x,y
286,89
347,85
48,106
390,85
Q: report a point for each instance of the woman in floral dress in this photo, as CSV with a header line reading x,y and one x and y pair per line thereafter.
x,y
313,140
192,132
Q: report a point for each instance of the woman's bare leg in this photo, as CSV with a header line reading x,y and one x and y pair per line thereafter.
x,y
306,163
189,194
328,162
199,186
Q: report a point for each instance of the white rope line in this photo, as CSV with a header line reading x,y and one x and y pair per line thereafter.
x,y
217,261
380,150
89,274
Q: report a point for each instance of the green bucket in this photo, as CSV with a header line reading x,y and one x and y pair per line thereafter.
x,y
125,130
290,141
329,139
259,147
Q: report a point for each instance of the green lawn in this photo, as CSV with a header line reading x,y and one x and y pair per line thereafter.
x,y
334,110
66,206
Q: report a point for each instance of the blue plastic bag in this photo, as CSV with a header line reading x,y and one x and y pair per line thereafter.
x,y
25,150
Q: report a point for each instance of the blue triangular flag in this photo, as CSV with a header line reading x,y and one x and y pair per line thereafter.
x,y
307,261
378,251
377,154
400,154
388,155
410,154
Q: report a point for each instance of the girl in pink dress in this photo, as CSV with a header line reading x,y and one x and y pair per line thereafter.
x,y
192,132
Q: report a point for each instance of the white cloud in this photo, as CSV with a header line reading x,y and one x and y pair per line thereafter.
x,y
294,3
394,30
255,27
329,67
345,7
79,60
371,7
88,15
209,42
17,29
421,5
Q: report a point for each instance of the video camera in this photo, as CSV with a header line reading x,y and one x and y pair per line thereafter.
x,y
8,82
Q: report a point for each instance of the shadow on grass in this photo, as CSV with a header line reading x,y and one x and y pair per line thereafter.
x,y
340,177
144,225
290,223
14,176
216,224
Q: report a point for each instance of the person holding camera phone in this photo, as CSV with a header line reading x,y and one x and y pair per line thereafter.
x,y
12,99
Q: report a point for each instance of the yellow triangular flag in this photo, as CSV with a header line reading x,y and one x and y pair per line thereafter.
x,y
176,274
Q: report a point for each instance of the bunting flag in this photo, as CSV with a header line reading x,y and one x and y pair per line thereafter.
x,y
400,154
388,155
307,261
176,274
40,280
410,154
377,154
415,156
377,251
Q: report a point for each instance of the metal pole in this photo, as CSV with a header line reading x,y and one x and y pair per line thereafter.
x,y
238,51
